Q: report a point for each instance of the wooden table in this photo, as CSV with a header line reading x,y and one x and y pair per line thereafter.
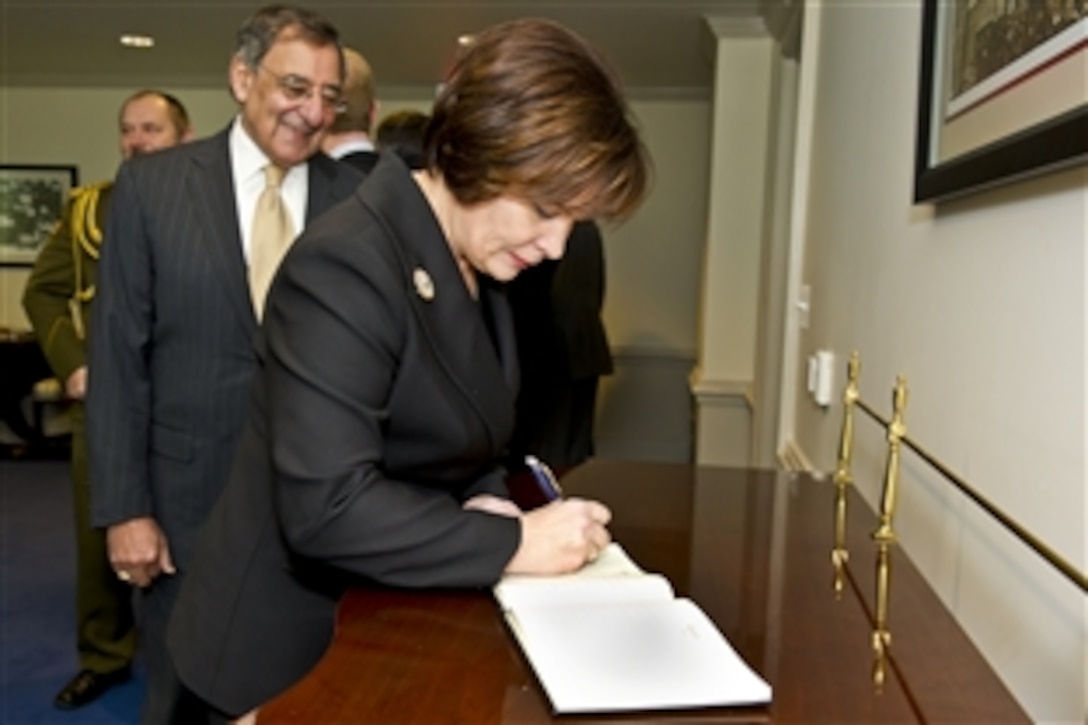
x,y
752,547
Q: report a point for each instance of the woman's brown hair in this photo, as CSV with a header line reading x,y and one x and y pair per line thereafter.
x,y
532,111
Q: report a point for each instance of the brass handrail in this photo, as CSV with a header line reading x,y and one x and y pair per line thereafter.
x,y
884,535
1025,536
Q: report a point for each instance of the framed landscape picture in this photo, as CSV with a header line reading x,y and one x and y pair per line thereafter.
x,y
32,202
1003,93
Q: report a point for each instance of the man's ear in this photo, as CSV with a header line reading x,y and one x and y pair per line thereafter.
x,y
241,78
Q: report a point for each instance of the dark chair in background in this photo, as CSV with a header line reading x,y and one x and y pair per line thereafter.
x,y
28,395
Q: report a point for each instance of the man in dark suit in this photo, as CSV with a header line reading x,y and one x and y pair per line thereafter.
x,y
57,300
171,353
562,349
349,139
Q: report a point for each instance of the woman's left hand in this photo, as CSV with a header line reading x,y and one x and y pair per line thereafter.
x,y
492,504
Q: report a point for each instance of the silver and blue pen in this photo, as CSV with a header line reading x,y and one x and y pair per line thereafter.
x,y
544,478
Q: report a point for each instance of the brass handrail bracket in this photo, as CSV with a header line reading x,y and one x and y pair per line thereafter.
x,y
843,477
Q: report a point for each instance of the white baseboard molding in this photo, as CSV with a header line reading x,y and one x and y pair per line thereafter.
x,y
720,392
792,458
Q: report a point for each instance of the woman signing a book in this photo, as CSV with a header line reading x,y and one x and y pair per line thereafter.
x,y
385,394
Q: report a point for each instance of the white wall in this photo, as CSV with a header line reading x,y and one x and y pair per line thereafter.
x,y
653,261
79,125
981,304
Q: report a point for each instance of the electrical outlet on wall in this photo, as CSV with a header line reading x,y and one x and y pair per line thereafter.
x,y
825,377
804,306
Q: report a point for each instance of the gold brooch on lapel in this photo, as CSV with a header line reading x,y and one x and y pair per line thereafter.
x,y
424,284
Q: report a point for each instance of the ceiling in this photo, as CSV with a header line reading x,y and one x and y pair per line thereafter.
x,y
656,45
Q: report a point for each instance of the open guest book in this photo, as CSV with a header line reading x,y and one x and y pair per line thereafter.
x,y
611,637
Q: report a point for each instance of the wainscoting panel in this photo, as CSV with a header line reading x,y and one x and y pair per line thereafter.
x,y
723,421
644,409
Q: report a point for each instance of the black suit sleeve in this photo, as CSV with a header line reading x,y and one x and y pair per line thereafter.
x,y
343,362
119,377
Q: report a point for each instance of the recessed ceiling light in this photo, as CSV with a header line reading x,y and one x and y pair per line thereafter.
x,y
137,41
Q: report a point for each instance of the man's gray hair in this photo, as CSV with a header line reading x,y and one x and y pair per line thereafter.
x,y
258,34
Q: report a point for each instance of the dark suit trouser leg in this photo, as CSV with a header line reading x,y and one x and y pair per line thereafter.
x,y
168,702
105,626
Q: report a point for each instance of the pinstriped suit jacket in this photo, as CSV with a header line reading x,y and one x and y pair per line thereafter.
x,y
172,348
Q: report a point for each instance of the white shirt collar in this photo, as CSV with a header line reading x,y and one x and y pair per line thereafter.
x,y
246,158
247,163
351,146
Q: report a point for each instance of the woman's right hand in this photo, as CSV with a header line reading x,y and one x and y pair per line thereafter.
x,y
561,537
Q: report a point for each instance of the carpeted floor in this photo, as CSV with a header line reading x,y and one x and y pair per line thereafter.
x,y
37,602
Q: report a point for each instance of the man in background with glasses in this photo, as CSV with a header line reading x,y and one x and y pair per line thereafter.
x,y
194,237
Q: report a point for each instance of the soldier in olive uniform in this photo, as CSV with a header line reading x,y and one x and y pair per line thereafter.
x,y
57,301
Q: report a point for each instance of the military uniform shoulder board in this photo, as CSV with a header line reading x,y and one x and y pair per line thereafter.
x,y
86,235
95,188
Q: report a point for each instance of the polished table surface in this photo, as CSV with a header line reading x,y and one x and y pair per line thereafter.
x,y
751,547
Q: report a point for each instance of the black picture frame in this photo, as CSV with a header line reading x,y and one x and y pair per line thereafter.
x,y
33,199
1053,144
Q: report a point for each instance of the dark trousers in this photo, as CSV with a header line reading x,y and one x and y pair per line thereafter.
x,y
167,702
105,625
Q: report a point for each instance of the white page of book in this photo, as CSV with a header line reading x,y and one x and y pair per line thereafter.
x,y
533,594
613,576
635,656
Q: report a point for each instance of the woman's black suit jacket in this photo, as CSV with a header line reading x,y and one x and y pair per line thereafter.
x,y
384,398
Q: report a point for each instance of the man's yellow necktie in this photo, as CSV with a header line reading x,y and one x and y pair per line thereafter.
x,y
272,235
